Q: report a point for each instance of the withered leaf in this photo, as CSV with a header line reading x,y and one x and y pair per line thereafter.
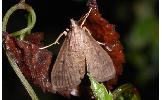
x,y
35,38
33,62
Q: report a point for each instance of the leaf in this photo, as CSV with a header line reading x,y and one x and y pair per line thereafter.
x,y
99,90
33,62
126,92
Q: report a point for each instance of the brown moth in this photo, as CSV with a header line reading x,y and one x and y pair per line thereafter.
x,y
80,54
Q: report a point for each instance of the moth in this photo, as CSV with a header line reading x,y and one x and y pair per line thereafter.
x,y
80,54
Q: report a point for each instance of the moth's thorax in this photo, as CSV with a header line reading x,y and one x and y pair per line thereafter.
x,y
75,28
77,37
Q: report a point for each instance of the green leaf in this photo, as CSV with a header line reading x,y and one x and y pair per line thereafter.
x,y
99,90
126,92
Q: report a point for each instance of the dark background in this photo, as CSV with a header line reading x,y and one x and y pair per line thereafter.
x,y
137,21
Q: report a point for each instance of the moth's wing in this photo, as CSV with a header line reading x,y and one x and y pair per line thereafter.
x,y
99,63
69,67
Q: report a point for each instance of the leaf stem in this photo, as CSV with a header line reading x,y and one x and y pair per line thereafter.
x,y
22,78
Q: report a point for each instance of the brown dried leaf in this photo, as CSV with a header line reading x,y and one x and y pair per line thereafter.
x,y
33,62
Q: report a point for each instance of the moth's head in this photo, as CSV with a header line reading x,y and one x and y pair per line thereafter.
x,y
74,25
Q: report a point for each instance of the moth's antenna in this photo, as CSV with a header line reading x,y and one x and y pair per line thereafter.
x,y
86,16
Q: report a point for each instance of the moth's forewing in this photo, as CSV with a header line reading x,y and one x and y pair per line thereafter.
x,y
69,67
99,63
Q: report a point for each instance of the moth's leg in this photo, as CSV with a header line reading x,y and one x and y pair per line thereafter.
x,y
56,42
104,44
86,29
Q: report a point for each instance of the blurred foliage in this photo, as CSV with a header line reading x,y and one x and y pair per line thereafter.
x,y
126,92
142,42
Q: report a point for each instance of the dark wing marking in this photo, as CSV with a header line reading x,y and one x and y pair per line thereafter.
x,y
99,63
69,67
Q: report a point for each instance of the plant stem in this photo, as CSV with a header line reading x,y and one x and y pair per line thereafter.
x,y
22,78
23,6
31,22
